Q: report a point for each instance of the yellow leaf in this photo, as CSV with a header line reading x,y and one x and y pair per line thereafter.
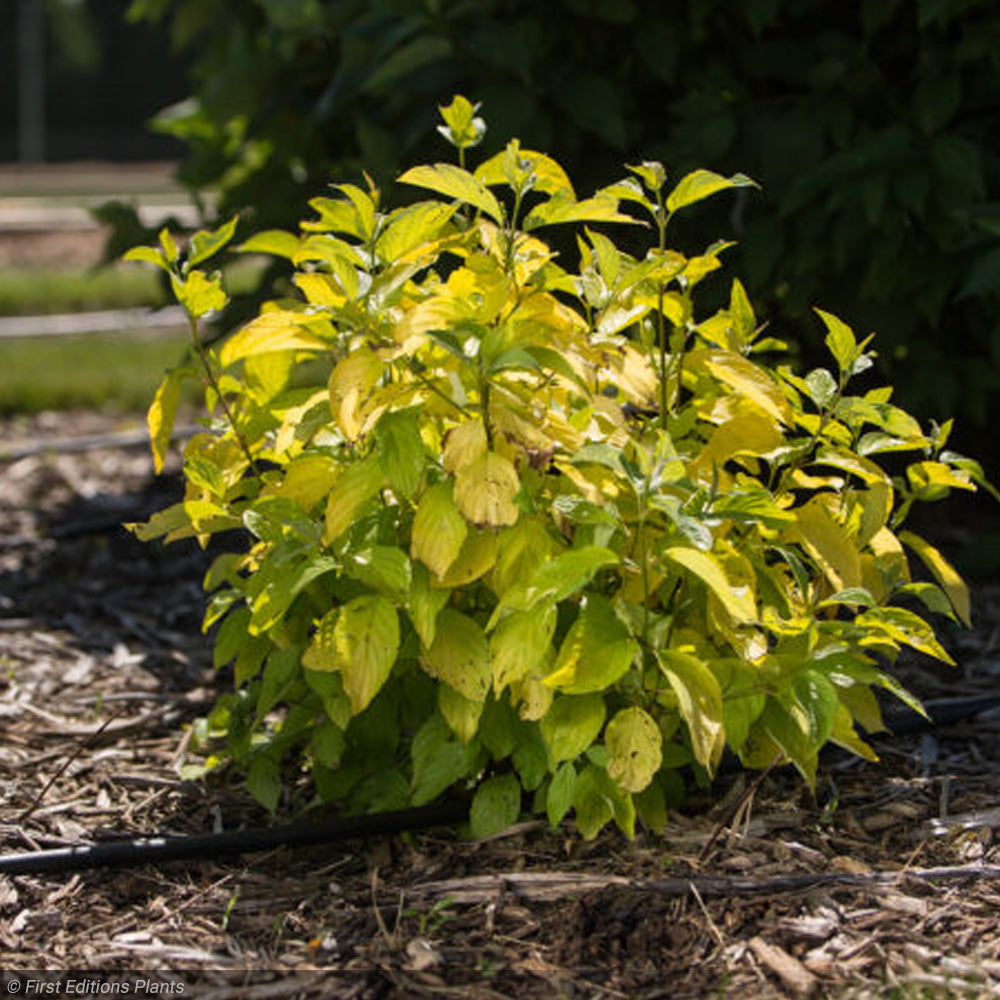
x,y
633,739
903,626
828,543
738,601
702,184
699,699
925,475
291,422
360,641
453,182
476,557
278,330
438,530
464,445
320,289
161,416
485,491
750,432
889,555
952,584
549,175
308,479
876,506
351,380
865,469
747,379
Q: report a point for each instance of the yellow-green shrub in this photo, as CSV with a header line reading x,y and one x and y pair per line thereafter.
x,y
533,529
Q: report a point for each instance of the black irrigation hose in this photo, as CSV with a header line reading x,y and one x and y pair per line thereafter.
x,y
945,712
145,850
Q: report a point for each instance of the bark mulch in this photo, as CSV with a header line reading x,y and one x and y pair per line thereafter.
x,y
886,882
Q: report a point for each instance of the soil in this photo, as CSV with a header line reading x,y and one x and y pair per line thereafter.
x,y
882,883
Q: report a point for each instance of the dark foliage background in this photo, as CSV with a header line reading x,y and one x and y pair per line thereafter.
x,y
873,128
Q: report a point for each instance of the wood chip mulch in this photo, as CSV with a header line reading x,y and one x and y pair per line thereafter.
x,y
885,883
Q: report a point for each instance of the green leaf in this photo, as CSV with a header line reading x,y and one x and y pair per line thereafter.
x,y
822,387
327,744
556,579
702,184
264,782
355,486
459,655
738,601
818,701
425,603
634,741
382,567
598,799
438,530
360,641
329,688
205,244
738,715
277,330
699,699
571,725
531,759
560,794
500,728
407,61
401,451
520,643
453,182
651,807
439,760
461,714
495,806
787,727
596,652
280,671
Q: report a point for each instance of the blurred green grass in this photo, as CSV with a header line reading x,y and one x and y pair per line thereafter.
x,y
116,372
37,291
113,372
34,291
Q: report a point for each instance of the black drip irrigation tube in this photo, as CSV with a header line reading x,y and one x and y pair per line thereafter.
x,y
203,846
199,847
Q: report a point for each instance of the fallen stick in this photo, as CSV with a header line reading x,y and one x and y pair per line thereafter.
x,y
557,885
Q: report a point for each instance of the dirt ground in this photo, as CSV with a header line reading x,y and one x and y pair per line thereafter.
x,y
885,883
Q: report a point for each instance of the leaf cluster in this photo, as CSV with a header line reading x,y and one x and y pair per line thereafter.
x,y
551,533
